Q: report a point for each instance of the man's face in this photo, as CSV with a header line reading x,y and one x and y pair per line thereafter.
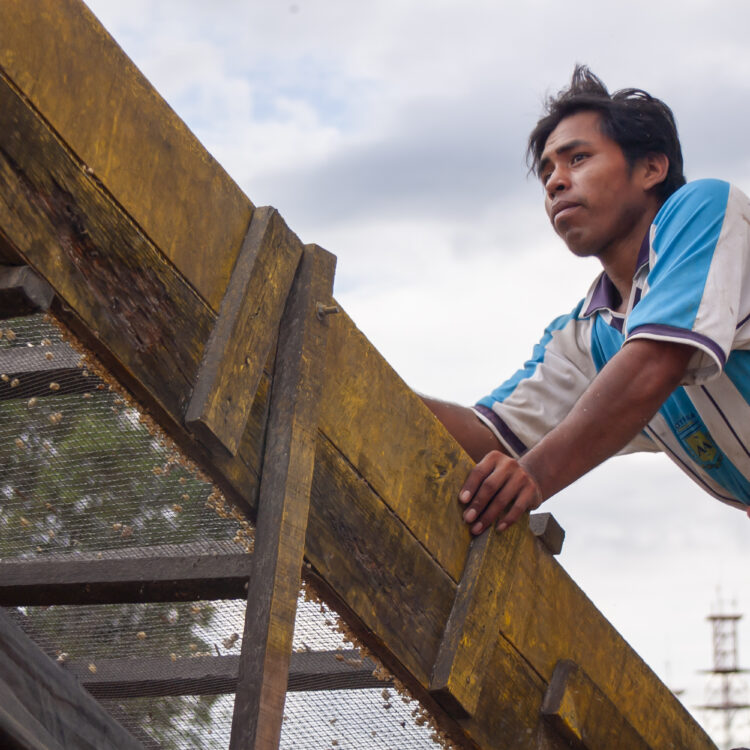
x,y
593,198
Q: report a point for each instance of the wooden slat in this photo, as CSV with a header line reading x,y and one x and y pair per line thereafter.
x,y
583,715
213,675
102,106
124,579
22,292
548,531
283,507
548,618
244,333
384,429
116,286
45,696
471,631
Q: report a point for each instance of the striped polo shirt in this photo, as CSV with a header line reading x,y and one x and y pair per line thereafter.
x,y
691,286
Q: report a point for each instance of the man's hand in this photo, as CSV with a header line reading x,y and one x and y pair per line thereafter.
x,y
618,403
498,489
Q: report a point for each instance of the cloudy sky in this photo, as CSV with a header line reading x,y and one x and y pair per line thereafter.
x,y
392,133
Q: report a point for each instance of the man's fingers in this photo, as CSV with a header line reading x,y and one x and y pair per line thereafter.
x,y
527,500
477,476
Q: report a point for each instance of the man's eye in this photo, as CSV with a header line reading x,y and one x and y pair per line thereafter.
x,y
577,157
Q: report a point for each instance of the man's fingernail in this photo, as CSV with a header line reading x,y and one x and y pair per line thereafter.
x,y
470,515
502,526
464,496
477,528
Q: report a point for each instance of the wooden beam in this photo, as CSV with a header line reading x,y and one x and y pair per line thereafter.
x,y
583,715
126,137
122,579
244,333
283,507
41,706
471,631
212,675
116,288
22,292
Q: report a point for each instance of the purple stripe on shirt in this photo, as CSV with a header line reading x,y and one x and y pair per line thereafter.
x,y
682,334
510,437
690,470
726,421
604,296
644,250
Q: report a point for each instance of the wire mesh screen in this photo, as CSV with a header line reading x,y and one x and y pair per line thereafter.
x,y
85,477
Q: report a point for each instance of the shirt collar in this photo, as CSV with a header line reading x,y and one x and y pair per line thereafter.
x,y
603,294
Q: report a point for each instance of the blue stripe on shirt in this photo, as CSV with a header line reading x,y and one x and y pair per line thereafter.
x,y
687,229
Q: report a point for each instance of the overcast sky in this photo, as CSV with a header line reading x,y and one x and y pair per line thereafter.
x,y
392,132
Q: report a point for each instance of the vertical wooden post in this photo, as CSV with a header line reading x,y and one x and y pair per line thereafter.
x,y
283,507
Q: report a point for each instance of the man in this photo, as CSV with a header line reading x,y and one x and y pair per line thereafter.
x,y
657,356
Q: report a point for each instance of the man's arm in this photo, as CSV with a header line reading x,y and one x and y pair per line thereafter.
x,y
471,433
618,404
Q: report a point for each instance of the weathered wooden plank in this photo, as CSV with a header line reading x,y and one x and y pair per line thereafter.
x,y
582,714
124,579
106,111
244,333
22,292
374,564
283,507
548,618
115,285
471,631
384,429
52,699
19,729
214,675
548,531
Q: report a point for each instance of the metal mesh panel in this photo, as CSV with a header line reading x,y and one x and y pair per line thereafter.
x,y
85,476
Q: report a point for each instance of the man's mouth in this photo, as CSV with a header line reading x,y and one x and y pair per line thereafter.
x,y
561,210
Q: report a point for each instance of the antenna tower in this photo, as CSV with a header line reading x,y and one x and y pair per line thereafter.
x,y
726,693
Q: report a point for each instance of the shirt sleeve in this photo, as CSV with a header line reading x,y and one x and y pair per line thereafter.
x,y
528,405
696,289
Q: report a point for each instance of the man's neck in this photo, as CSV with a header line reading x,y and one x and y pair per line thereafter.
x,y
621,258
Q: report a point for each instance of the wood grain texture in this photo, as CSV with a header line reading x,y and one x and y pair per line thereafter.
x,y
215,675
48,702
382,427
283,507
548,618
583,715
151,578
244,333
93,96
22,292
471,631
117,290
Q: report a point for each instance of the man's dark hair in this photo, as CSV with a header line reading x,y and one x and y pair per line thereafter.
x,y
635,120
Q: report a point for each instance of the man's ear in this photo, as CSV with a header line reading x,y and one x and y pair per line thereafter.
x,y
654,169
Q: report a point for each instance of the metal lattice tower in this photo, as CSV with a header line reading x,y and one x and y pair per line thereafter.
x,y
726,693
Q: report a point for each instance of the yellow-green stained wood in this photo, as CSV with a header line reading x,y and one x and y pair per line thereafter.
x,y
284,503
384,429
244,332
471,631
93,96
125,298
583,715
140,253
548,618
373,563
